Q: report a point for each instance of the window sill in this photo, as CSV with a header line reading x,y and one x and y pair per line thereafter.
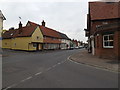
x,y
108,47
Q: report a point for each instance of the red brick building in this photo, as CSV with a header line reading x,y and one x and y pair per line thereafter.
x,y
103,29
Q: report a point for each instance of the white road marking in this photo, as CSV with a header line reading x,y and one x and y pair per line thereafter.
x,y
59,63
49,68
22,80
34,75
29,78
54,65
26,79
10,86
38,73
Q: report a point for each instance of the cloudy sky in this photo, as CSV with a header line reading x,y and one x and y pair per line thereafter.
x,y
67,16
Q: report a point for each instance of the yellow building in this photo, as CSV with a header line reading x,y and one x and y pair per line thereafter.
x,y
28,38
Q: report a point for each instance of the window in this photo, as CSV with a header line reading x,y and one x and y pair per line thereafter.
x,y
34,45
37,37
108,41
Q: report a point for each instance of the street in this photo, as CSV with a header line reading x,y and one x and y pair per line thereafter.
x,y
52,69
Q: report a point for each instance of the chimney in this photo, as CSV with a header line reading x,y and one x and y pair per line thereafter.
x,y
20,27
43,23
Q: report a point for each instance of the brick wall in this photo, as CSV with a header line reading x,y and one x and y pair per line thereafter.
x,y
109,53
100,22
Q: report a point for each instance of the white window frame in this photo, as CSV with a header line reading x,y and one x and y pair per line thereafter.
x,y
108,41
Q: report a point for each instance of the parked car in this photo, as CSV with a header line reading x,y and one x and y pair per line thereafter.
x,y
76,47
81,47
71,48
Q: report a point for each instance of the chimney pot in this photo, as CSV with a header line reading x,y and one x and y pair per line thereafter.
x,y
20,27
43,23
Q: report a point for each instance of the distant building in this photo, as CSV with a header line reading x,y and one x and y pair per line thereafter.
x,y
65,41
75,43
103,29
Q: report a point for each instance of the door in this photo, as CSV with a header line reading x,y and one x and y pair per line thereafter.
x,y
37,46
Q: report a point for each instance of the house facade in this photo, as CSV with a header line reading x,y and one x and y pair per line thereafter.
x,y
33,37
24,38
65,41
103,29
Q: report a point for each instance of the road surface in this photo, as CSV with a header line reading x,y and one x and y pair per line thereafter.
x,y
52,69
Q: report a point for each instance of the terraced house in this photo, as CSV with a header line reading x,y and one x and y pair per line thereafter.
x,y
103,29
33,37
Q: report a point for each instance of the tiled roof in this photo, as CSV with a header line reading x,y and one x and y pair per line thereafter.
x,y
8,34
104,10
26,31
32,23
50,32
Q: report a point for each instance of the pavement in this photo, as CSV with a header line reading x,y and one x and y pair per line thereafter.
x,y
86,58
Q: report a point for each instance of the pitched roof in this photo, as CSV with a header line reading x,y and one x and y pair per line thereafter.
x,y
64,36
32,23
26,31
50,32
8,34
104,10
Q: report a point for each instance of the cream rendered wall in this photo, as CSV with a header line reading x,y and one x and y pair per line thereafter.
x,y
6,43
20,43
1,24
37,33
24,43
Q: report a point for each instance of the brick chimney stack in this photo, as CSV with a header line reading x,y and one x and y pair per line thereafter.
x,y
43,23
20,27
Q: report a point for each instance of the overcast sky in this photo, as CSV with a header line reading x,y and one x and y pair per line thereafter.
x,y
67,16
